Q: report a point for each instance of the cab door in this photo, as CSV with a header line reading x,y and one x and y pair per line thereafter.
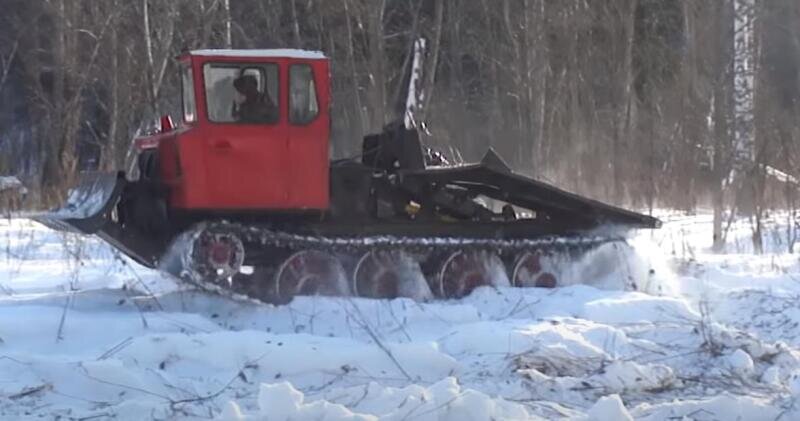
x,y
246,165
308,134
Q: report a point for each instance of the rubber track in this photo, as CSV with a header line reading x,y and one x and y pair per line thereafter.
x,y
268,237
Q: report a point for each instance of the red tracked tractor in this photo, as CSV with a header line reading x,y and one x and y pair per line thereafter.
x,y
241,197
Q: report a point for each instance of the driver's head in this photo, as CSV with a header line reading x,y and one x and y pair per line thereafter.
x,y
247,85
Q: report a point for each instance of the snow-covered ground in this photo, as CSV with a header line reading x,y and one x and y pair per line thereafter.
x,y
86,335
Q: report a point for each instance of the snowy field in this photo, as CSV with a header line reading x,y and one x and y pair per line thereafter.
x,y
86,335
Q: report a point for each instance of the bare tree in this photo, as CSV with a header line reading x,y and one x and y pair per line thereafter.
x,y
6,60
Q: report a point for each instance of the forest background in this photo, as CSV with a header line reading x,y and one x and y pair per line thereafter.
x,y
644,103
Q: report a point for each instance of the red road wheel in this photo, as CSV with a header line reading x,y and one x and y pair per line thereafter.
x,y
536,269
216,255
310,272
463,271
389,274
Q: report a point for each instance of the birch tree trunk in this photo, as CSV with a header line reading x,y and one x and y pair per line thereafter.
x,y
148,46
351,56
226,4
375,64
744,133
628,105
110,159
298,43
433,63
158,46
6,63
743,84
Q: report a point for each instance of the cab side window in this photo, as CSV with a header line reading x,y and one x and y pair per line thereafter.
x,y
303,104
187,88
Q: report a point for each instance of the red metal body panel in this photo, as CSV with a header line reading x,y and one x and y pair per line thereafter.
x,y
235,166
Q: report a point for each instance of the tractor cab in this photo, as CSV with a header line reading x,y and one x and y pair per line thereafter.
x,y
253,134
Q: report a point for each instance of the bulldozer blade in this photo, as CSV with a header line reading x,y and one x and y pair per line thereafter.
x,y
89,210
89,204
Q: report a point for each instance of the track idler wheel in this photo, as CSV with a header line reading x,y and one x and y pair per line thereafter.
x,y
310,272
537,269
463,271
215,254
389,274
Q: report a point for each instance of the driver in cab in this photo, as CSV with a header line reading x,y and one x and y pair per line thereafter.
x,y
250,105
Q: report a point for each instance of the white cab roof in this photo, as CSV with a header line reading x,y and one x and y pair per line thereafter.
x,y
279,52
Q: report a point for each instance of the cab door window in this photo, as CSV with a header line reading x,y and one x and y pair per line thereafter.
x,y
241,93
303,104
